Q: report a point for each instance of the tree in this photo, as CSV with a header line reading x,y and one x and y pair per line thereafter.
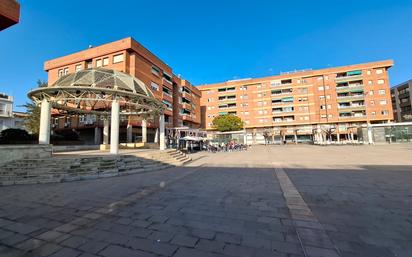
x,y
32,121
227,122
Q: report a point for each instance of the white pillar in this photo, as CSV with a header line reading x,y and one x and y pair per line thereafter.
x,y
144,130
296,137
129,131
45,116
370,137
162,132
156,139
114,130
106,131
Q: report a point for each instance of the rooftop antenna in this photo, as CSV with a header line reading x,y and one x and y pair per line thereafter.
x,y
90,46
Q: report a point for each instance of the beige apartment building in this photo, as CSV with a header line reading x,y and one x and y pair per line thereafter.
x,y
318,105
180,97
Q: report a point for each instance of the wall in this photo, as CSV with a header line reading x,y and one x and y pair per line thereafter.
x,y
15,152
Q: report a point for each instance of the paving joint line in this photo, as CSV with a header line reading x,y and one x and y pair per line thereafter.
x,y
296,205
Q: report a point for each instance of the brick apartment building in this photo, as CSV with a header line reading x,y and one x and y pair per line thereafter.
x,y
294,105
9,13
181,98
402,101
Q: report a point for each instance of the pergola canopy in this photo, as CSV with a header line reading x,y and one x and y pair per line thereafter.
x,y
93,90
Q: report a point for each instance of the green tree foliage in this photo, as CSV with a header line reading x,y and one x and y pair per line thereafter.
x,y
32,121
228,122
16,136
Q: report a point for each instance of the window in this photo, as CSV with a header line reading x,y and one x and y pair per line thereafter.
x,y
99,63
306,117
61,73
370,82
320,88
379,71
89,64
154,86
259,95
384,112
78,67
329,106
105,61
328,97
209,100
156,71
259,86
382,102
66,71
302,99
321,97
382,91
381,81
330,116
373,113
371,92
118,58
323,107
243,88
372,102
368,72
323,116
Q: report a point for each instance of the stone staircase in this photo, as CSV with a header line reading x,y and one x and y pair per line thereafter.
x,y
169,156
72,168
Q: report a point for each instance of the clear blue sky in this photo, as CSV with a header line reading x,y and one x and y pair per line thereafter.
x,y
211,41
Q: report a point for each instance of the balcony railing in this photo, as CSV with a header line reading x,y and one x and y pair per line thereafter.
x,y
352,107
350,97
350,88
348,78
353,116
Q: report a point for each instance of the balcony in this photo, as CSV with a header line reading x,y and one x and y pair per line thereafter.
x,y
358,116
349,98
352,107
348,78
350,88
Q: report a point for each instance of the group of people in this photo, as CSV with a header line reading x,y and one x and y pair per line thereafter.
x,y
230,146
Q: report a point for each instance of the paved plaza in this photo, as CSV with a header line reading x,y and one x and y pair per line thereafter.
x,y
288,201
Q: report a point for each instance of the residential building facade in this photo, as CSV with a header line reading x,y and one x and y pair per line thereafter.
x,y
293,106
8,117
402,101
6,112
129,56
9,13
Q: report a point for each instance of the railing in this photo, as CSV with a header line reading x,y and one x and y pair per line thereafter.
x,y
349,87
350,96
348,78
352,107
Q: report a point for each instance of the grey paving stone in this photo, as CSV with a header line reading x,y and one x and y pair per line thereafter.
x,y
202,233
228,238
152,246
184,240
21,228
116,251
210,246
50,235
10,252
66,252
46,249
141,223
161,236
320,252
30,244
239,251
14,239
92,246
187,252
74,241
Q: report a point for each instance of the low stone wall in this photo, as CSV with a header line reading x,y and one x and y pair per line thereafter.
x,y
69,148
16,152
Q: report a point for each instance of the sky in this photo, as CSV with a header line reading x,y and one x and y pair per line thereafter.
x,y
212,40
